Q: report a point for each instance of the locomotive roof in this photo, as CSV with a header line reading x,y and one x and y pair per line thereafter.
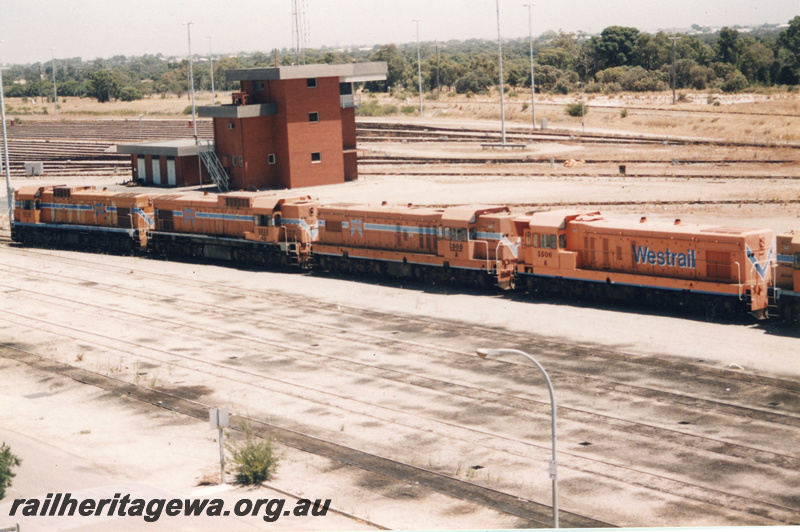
x,y
646,228
468,213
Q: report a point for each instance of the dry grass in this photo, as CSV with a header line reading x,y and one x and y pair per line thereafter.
x,y
770,117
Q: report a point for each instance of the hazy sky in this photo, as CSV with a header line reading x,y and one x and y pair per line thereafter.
x,y
104,28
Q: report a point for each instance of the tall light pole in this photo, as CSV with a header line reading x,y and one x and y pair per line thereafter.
x,y
9,190
211,66
674,39
502,96
419,69
55,93
533,84
191,76
483,353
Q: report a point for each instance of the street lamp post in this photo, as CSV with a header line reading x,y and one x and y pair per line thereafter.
x,y
419,69
533,79
483,353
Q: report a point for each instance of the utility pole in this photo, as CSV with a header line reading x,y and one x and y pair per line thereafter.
x,y
502,101
211,66
419,69
55,93
533,83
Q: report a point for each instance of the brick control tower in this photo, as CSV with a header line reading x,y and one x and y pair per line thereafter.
x,y
291,126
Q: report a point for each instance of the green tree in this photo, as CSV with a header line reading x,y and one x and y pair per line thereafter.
x,y
102,85
727,46
789,44
616,46
8,461
755,60
397,67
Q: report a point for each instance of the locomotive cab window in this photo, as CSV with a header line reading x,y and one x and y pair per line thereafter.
x,y
473,233
535,240
277,220
549,241
797,261
562,241
264,220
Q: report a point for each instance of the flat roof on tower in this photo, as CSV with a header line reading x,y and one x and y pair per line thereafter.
x,y
346,72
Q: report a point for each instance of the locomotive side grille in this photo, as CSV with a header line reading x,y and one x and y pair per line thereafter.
x,y
124,218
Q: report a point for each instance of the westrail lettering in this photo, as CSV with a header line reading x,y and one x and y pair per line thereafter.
x,y
645,255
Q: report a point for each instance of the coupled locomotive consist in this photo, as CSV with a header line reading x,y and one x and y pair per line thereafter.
x,y
579,254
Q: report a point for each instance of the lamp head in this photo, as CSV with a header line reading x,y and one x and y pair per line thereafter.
x,y
483,352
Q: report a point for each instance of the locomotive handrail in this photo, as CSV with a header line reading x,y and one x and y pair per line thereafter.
x,y
739,274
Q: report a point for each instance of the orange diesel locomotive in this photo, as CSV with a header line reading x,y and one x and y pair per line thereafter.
x,y
787,276
584,254
82,216
469,245
247,227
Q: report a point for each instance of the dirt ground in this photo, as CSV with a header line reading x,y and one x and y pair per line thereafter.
x,y
78,438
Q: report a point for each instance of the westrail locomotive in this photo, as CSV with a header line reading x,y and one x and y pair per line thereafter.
x,y
575,254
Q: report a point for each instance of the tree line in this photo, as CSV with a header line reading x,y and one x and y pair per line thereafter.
x,y
618,59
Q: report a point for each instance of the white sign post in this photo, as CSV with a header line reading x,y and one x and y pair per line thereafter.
x,y
219,420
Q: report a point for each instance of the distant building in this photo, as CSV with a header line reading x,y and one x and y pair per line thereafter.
x,y
291,126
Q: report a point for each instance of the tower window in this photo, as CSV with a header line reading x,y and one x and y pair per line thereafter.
x,y
316,157
311,83
313,117
258,85
271,158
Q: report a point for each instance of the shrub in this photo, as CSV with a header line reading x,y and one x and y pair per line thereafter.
x,y
254,459
8,460
577,109
623,113
408,109
129,94
736,82
372,108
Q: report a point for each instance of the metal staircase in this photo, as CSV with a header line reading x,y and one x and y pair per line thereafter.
x,y
213,165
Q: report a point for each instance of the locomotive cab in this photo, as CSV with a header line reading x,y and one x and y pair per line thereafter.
x,y
484,237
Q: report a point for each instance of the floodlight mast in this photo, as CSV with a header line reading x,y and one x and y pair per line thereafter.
x,y
419,69
533,78
9,190
502,96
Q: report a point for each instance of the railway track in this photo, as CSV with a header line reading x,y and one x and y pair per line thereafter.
x,y
75,148
570,374
381,131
